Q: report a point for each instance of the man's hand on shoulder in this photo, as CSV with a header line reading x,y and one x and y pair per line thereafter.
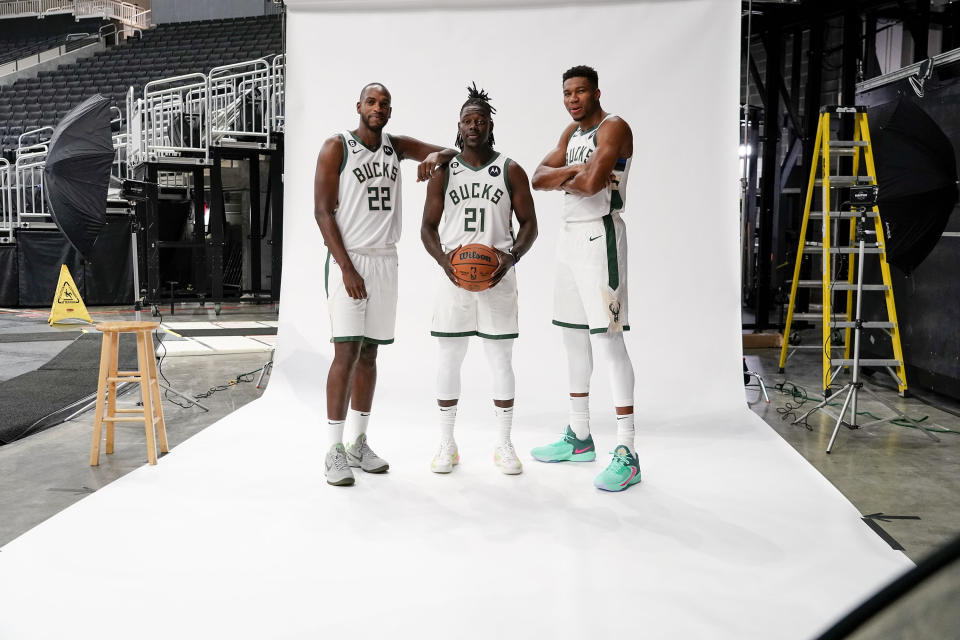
x,y
434,163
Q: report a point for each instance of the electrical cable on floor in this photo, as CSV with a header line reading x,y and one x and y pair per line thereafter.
x,y
799,394
166,392
242,377
789,409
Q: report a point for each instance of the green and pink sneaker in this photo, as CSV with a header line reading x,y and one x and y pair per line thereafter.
x,y
622,472
569,448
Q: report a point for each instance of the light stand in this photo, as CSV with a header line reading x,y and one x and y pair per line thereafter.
x,y
267,368
138,307
853,388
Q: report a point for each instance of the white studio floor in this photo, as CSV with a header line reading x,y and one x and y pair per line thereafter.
x,y
236,535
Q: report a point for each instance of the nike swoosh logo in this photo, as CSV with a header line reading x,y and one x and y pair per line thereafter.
x,y
595,237
456,173
356,151
633,472
582,450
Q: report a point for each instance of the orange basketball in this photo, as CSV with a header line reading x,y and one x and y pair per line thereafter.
x,y
473,265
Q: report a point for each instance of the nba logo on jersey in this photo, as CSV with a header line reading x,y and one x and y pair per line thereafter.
x,y
494,171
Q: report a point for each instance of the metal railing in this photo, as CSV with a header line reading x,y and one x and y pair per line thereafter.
x,y
239,97
33,140
28,186
128,14
278,94
34,8
170,118
186,115
7,212
120,167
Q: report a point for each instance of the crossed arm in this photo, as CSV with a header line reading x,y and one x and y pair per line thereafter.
x,y
614,140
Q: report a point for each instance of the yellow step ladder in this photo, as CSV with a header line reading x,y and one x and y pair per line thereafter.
x,y
823,176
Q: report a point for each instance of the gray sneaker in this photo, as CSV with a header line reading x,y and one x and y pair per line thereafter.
x,y
338,469
359,454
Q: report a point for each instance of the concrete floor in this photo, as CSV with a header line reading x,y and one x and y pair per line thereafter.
x,y
47,472
884,469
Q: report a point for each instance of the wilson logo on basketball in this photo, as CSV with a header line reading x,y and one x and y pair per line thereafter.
x,y
474,255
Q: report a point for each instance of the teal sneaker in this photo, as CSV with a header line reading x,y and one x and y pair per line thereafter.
x,y
569,448
622,472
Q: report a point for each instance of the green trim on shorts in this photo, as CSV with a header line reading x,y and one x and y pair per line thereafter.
x,y
604,330
467,334
459,334
571,326
613,269
360,339
326,275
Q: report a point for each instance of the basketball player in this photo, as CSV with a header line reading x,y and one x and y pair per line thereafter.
x,y
357,207
590,165
473,201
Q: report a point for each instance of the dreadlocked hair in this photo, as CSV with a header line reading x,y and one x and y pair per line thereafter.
x,y
476,98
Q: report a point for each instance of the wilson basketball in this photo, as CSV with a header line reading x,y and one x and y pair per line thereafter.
x,y
473,266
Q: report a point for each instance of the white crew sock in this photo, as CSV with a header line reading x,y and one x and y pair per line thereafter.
x,y
358,422
504,421
626,434
448,417
335,431
580,416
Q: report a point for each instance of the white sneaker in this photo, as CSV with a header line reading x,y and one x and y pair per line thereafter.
x,y
446,459
505,457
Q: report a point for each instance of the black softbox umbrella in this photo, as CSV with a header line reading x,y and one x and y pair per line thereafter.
x,y
77,172
917,174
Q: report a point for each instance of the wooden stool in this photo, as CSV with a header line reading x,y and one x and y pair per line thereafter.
x,y
152,412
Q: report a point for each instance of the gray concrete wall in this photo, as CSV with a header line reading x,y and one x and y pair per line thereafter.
x,y
163,11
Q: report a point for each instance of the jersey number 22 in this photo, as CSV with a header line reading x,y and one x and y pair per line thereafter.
x,y
378,198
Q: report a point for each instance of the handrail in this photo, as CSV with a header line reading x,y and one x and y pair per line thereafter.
x,y
6,203
33,8
31,133
127,13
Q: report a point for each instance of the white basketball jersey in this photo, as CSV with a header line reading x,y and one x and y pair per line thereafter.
x,y
368,211
477,207
610,199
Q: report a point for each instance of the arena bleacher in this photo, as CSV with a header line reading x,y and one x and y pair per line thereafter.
x,y
161,52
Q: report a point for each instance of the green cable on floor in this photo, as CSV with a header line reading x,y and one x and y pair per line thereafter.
x,y
799,393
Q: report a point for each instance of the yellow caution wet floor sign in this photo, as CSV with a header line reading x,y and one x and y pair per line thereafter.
x,y
67,304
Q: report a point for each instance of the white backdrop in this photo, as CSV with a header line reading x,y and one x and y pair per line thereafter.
x,y
668,68
235,533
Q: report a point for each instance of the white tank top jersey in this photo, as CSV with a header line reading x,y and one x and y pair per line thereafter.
x,y
368,211
612,198
477,205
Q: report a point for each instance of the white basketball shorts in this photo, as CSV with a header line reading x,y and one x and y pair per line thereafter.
x,y
491,313
590,285
374,318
